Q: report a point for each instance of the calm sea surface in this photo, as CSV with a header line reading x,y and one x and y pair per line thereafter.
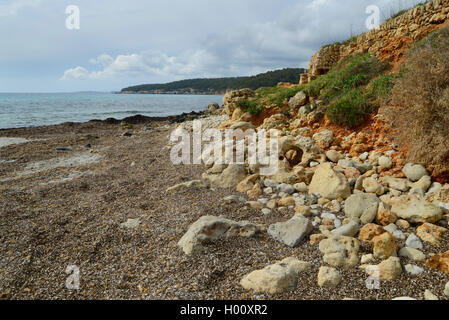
x,y
36,109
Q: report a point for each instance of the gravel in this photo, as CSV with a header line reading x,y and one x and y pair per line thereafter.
x,y
44,228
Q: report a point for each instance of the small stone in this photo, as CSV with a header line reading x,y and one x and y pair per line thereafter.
x,y
286,188
272,204
328,277
385,162
301,187
412,254
413,270
446,289
131,223
403,224
384,215
428,295
367,258
255,192
440,262
276,278
256,205
340,251
413,242
304,210
369,231
372,186
352,173
333,206
334,155
414,171
430,233
291,232
348,230
384,246
364,156
316,238
286,201
266,211
389,269
209,228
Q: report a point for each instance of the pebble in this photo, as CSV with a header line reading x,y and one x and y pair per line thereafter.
x,y
266,211
286,188
413,270
413,242
428,295
364,156
367,258
446,289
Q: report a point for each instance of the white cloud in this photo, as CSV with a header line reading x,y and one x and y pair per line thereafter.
x,y
147,63
288,40
77,73
12,7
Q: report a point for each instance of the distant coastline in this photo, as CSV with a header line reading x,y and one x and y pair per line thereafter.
x,y
180,92
219,86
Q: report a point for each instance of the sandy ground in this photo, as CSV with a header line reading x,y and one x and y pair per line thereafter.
x,y
62,208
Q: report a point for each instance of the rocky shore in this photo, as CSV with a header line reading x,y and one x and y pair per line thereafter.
x,y
105,197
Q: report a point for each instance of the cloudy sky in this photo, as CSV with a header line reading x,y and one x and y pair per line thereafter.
x,y
129,42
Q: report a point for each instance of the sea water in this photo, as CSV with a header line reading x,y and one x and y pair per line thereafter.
x,y
37,109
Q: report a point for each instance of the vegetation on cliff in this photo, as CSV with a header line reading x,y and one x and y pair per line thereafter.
x,y
420,102
268,79
346,89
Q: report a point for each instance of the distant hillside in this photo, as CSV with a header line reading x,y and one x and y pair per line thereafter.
x,y
220,85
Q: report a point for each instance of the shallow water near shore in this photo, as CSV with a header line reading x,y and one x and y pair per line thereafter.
x,y
37,109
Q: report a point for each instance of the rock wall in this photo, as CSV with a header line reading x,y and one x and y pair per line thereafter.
x,y
389,42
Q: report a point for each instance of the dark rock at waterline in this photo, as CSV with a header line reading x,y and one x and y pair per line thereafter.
x,y
139,119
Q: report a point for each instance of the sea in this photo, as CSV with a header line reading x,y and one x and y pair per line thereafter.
x,y
38,109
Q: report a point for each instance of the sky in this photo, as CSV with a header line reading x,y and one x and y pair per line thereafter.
x,y
121,43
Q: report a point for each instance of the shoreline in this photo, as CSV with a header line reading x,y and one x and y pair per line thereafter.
x,y
135,119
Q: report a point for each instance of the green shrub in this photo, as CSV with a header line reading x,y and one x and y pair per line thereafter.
x,y
350,110
381,87
250,106
348,74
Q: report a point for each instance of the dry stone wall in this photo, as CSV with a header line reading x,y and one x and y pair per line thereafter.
x,y
388,42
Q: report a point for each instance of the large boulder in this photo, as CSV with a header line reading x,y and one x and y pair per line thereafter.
x,y
329,184
211,228
298,100
230,177
276,278
396,183
416,210
340,251
324,138
414,171
360,204
291,232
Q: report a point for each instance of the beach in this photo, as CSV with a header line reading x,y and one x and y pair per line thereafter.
x,y
94,195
